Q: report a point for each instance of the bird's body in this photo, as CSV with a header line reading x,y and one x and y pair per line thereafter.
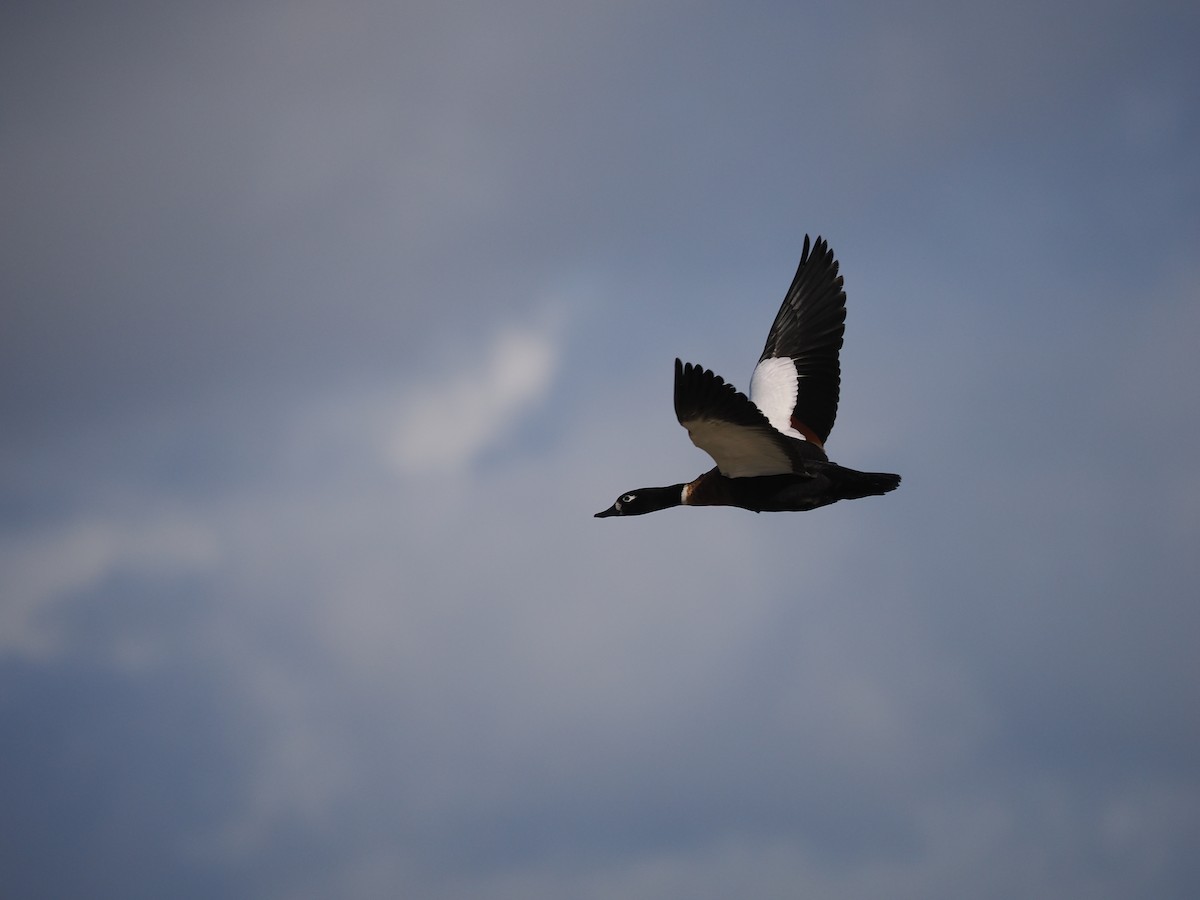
x,y
770,447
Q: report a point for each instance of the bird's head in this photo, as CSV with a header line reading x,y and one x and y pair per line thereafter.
x,y
644,500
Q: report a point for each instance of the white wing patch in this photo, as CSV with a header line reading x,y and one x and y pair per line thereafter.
x,y
738,451
773,389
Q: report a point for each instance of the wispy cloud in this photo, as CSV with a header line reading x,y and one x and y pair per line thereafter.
x,y
443,426
42,568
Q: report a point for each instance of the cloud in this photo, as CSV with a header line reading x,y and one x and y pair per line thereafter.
x,y
443,426
43,568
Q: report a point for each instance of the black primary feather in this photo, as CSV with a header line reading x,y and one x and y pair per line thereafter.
x,y
809,329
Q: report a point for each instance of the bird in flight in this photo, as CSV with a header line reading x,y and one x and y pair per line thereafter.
x,y
770,447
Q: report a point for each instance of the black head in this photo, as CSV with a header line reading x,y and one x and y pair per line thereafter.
x,y
644,500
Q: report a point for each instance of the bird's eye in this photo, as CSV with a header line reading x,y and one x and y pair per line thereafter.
x,y
628,498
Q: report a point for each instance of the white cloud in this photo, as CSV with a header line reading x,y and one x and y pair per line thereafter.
x,y
40,569
444,426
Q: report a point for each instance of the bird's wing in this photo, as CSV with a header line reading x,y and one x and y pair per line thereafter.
x,y
726,425
798,378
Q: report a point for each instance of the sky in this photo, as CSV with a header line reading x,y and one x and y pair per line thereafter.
x,y
326,328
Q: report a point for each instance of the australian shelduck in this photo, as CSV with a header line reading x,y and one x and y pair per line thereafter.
x,y
770,447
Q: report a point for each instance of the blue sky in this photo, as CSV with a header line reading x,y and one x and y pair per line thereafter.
x,y
326,329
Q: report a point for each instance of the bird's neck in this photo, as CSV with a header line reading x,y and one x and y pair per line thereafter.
x,y
662,497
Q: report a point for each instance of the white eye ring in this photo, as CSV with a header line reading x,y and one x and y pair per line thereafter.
x,y
628,498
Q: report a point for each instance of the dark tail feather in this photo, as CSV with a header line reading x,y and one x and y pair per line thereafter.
x,y
851,484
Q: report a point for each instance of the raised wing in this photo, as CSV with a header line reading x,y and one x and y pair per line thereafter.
x,y
723,423
798,377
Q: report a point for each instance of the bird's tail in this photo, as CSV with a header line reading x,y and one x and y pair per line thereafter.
x,y
851,484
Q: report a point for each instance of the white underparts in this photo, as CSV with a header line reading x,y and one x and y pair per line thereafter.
x,y
773,389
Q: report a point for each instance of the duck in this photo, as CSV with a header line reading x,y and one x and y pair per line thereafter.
x,y
769,447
